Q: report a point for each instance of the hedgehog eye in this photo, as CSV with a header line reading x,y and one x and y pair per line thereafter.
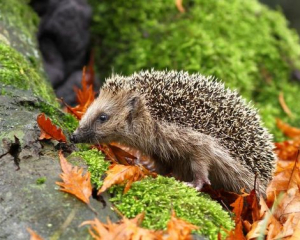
x,y
103,117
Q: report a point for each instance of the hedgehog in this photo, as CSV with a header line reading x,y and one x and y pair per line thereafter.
x,y
190,125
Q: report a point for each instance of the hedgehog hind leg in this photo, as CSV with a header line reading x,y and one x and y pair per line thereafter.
x,y
200,173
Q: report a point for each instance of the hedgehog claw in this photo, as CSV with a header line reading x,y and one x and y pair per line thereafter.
x,y
198,183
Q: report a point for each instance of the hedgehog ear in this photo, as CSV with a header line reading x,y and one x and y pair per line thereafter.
x,y
134,102
134,105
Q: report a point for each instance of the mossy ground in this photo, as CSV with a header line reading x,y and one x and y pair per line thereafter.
x,y
240,42
157,197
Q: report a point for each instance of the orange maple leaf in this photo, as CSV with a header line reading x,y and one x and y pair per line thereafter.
x,y
119,174
74,181
179,229
49,130
84,97
126,229
34,235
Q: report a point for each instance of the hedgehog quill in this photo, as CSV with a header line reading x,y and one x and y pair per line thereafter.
x,y
190,125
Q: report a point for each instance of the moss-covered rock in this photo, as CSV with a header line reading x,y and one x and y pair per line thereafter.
x,y
157,197
21,65
20,61
241,42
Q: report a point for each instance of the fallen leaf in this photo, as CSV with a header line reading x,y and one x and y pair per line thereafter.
x,y
90,75
126,229
296,234
84,97
49,130
131,156
284,106
119,153
74,182
237,233
288,130
179,229
287,176
288,205
120,174
179,6
288,150
34,235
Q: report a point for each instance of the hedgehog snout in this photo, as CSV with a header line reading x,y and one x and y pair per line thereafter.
x,y
82,136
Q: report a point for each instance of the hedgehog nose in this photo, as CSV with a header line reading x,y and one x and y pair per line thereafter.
x,y
73,138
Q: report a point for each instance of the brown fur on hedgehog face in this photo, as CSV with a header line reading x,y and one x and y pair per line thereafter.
x,y
110,118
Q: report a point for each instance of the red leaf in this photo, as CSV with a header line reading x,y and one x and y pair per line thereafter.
x,y
49,130
34,235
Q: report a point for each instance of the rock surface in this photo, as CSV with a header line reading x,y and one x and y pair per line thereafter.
x,y
29,196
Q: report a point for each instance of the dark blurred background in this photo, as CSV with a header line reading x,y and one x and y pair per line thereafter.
x,y
290,8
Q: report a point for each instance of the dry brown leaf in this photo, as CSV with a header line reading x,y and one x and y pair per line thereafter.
x,y
237,233
119,174
267,225
284,106
283,194
179,6
288,150
49,130
119,153
132,156
126,229
74,182
296,234
34,235
287,176
109,154
288,130
288,205
179,229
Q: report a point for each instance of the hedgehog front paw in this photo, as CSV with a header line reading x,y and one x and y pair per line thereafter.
x,y
198,183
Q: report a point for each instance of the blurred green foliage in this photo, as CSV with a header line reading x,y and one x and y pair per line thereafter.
x,y
243,43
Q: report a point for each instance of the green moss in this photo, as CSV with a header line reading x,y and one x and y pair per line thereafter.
x,y
20,62
241,42
97,166
157,197
19,25
41,180
16,71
